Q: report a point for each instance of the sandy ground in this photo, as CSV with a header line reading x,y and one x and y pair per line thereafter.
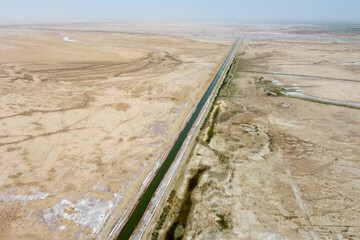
x,y
275,167
84,117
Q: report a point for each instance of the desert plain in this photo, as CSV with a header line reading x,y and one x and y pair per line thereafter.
x,y
88,111
278,157
85,117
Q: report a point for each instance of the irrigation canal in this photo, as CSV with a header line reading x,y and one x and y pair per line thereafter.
x,y
140,208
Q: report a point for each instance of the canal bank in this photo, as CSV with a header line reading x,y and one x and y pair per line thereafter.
x,y
156,191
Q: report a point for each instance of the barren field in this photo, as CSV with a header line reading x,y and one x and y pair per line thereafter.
x,y
269,162
85,116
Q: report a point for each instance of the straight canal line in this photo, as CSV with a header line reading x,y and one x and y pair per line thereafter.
x,y
140,208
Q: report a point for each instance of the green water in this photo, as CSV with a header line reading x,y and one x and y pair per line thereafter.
x,y
139,210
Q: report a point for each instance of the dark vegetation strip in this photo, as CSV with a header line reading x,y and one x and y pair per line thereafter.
x,y
167,209
223,85
182,218
210,132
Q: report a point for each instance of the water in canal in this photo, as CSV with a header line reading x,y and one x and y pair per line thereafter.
x,y
145,199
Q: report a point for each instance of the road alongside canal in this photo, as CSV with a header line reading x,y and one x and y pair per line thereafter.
x,y
176,152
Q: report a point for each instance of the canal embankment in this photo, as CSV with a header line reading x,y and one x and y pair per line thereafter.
x,y
157,184
185,152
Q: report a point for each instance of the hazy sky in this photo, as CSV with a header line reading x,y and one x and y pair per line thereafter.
x,y
218,10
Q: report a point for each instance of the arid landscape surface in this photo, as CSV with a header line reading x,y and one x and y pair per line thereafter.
x,y
85,117
89,110
269,163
